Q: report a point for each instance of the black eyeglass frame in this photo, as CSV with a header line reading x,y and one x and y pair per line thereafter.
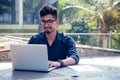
x,y
50,21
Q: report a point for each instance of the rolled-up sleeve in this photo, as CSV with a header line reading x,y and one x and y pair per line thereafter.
x,y
71,49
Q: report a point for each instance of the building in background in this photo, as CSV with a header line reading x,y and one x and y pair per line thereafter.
x,y
21,11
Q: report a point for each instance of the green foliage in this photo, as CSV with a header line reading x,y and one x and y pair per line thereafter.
x,y
62,4
95,12
80,27
116,42
112,24
112,20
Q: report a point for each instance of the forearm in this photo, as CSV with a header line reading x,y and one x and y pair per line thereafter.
x,y
69,61
65,62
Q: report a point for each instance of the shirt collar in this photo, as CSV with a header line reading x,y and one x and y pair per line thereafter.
x,y
58,37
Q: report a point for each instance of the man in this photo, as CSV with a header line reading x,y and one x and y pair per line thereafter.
x,y
61,49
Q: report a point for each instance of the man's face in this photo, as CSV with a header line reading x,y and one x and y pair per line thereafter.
x,y
49,23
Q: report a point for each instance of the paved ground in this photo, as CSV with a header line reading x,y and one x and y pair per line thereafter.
x,y
105,61
109,65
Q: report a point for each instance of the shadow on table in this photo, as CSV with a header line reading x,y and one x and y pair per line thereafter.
x,y
26,75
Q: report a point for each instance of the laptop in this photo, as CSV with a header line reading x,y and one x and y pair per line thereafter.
x,y
31,57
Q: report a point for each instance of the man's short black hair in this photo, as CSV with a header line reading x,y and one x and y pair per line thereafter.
x,y
48,9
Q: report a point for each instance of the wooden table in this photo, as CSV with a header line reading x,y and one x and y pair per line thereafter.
x,y
107,73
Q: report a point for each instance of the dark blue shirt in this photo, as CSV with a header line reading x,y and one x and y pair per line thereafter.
x,y
61,48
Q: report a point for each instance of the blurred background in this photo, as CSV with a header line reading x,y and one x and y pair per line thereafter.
x,y
93,24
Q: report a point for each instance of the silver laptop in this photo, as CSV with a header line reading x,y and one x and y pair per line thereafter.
x,y
30,57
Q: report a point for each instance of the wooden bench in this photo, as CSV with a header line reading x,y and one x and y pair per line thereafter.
x,y
4,53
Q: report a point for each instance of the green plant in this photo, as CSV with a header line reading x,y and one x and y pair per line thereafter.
x,y
80,27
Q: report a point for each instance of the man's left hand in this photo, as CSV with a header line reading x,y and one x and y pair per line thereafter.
x,y
54,64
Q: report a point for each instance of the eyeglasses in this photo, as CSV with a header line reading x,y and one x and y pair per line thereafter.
x,y
50,21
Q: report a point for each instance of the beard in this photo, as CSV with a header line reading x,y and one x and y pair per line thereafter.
x,y
48,32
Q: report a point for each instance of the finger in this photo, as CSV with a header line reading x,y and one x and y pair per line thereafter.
x,y
51,65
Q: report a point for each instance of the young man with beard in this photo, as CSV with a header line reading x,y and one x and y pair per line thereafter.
x,y
61,49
